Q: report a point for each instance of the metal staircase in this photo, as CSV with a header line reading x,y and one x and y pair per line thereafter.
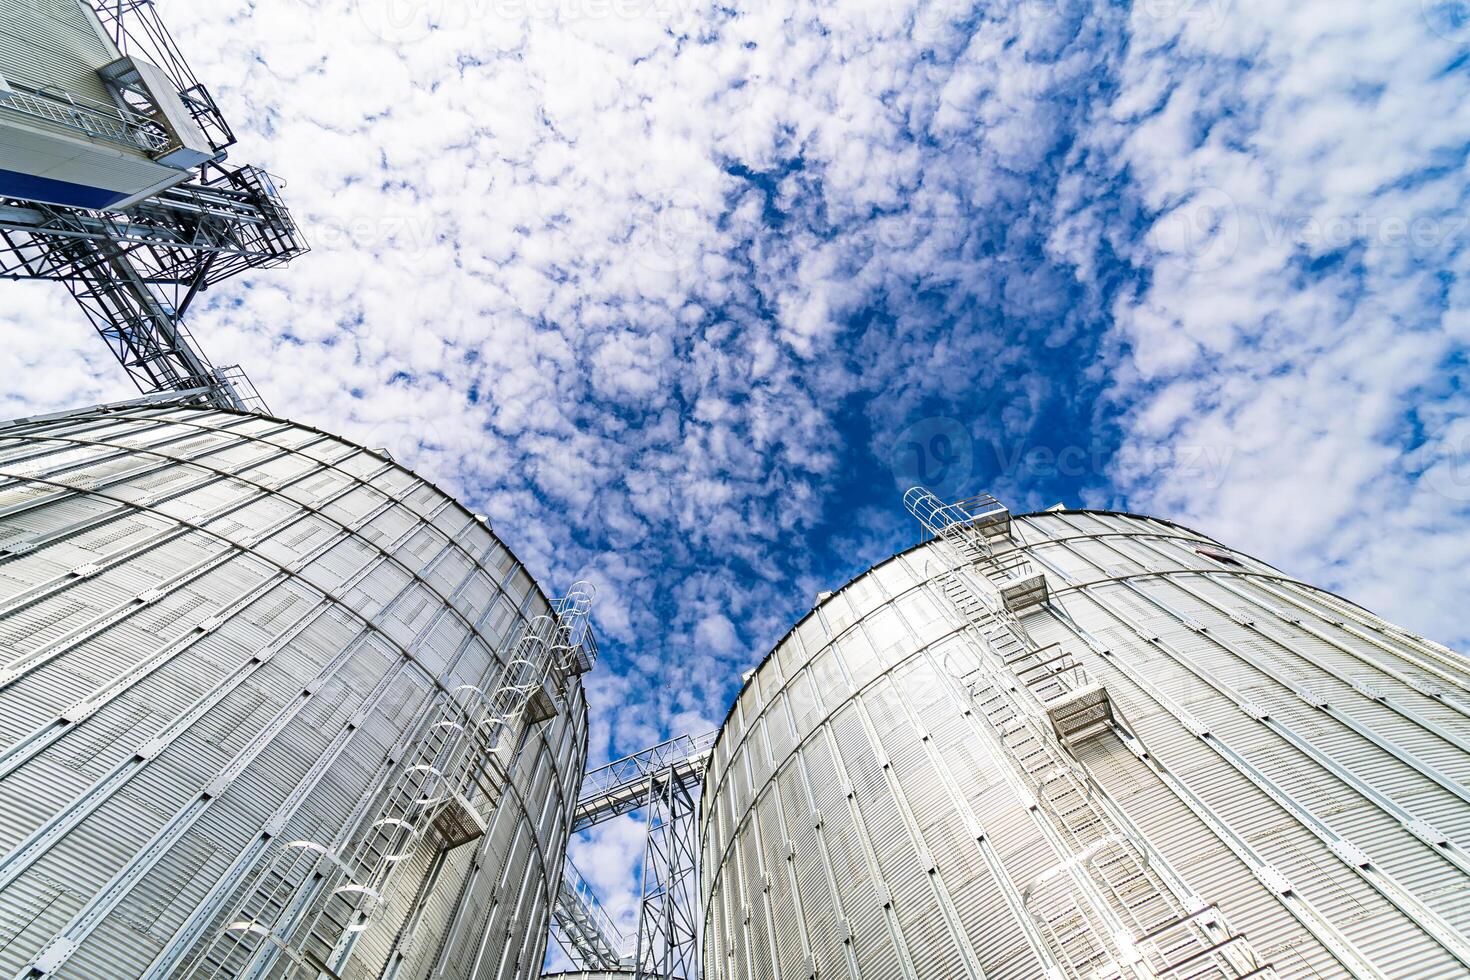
x,y
313,900
136,272
1110,907
582,926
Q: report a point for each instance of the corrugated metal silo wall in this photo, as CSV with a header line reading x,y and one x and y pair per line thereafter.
x,y
216,633
1304,769
57,44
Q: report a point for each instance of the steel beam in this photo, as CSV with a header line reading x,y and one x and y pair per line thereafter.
x,y
668,919
622,787
664,783
134,273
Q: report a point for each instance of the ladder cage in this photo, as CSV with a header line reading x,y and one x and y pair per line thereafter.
x,y
1111,906
302,914
983,512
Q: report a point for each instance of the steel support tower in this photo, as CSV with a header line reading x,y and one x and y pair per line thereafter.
x,y
662,782
135,272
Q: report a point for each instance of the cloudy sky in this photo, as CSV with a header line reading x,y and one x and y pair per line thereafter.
x,y
684,293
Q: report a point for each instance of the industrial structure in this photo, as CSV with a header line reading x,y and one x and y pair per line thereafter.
x,y
1079,744
663,784
114,182
272,706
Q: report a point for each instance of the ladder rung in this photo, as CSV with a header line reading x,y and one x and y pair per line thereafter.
x,y
1176,923
1208,950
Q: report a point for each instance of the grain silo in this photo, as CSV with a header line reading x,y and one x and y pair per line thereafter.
x,y
270,706
1078,744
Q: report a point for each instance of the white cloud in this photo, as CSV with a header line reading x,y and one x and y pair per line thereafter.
x,y
701,267
1311,335
638,231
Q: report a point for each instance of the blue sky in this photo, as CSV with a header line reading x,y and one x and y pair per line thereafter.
x,y
683,294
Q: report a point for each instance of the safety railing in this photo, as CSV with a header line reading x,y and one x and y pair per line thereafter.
x,y
312,900
621,783
54,105
237,388
583,928
1111,906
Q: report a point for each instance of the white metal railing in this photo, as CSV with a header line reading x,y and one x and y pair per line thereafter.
x,y
93,119
1112,906
312,900
940,517
622,785
238,387
596,941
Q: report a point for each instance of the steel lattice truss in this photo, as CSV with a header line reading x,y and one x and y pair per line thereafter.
x,y
135,273
664,782
668,921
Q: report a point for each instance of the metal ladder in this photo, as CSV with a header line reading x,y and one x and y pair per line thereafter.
x,y
1106,909
310,902
309,897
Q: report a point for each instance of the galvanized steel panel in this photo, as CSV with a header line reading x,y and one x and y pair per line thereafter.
x,y
1285,732
169,689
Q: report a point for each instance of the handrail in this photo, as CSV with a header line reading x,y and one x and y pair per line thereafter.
x,y
94,119
578,912
639,765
